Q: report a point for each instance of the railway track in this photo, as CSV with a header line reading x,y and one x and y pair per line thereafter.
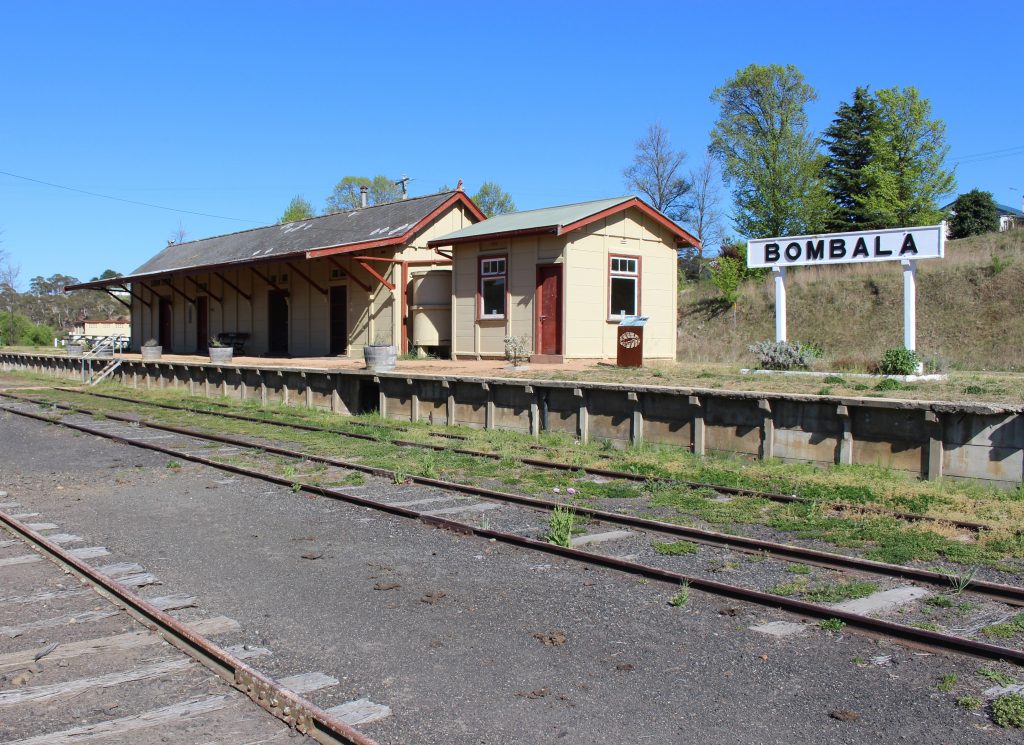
x,y
127,432
537,462
202,707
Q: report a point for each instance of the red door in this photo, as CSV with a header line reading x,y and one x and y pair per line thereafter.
x,y
549,309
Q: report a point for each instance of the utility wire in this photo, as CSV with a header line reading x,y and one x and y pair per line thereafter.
x,y
130,201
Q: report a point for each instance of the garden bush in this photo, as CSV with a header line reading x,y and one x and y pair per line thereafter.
x,y
899,361
783,355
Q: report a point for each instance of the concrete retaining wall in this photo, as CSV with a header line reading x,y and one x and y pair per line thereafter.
x,y
984,442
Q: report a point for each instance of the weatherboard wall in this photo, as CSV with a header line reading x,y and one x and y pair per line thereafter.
x,y
981,442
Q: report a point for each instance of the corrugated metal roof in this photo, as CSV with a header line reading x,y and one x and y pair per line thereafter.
x,y
548,217
375,223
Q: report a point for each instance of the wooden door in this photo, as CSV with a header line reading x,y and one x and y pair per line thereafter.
x,y
549,309
277,322
164,324
339,320
202,324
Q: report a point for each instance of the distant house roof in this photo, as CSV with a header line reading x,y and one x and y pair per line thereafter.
x,y
558,220
391,224
1003,209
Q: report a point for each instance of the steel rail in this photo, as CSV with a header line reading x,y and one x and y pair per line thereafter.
x,y
1010,594
554,465
291,708
909,634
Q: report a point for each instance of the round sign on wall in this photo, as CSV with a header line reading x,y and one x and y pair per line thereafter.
x,y
629,340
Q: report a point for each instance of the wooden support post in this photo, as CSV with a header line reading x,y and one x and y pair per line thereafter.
x,y
284,390
844,456
488,407
307,391
206,383
241,385
223,383
534,411
382,403
582,417
135,379
699,437
174,379
933,424
767,429
191,381
449,408
335,396
414,402
636,427
263,390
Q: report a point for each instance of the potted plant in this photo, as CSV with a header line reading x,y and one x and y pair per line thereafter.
x,y
517,351
76,348
381,355
221,352
151,350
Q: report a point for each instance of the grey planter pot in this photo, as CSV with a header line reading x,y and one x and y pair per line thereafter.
x,y
151,354
380,358
75,350
222,355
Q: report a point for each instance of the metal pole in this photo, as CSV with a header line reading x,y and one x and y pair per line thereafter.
x,y
909,303
780,302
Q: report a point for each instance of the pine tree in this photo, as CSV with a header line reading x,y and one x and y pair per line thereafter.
x,y
848,141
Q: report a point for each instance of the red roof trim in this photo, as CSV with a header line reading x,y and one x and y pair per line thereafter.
x,y
457,198
682,235
438,242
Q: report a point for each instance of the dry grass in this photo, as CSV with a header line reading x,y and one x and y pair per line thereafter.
x,y
969,310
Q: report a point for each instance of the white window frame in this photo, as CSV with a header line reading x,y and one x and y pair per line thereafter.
x,y
623,267
491,268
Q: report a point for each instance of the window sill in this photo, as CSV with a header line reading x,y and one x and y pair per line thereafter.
x,y
490,318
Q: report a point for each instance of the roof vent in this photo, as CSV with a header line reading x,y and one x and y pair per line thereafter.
x,y
362,196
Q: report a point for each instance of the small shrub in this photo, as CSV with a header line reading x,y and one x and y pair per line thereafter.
x,y
825,391
1008,710
889,384
834,380
831,624
935,364
948,683
560,527
173,464
999,264
899,361
974,390
782,355
517,349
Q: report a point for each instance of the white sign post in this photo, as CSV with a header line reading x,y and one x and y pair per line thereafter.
x,y
905,245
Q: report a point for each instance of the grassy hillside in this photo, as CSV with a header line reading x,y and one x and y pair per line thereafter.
x,y
970,310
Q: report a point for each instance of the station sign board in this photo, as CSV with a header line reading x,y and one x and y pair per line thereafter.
x,y
893,244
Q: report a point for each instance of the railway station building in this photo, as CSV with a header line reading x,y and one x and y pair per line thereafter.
x,y
427,274
312,288
564,277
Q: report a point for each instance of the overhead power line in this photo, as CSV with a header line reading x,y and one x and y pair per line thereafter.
x,y
131,201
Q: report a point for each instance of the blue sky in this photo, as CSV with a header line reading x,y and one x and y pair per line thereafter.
x,y
231,108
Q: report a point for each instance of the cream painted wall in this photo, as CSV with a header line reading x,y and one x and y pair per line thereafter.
x,y
587,330
308,308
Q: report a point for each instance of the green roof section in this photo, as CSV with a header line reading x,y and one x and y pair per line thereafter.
x,y
556,219
548,217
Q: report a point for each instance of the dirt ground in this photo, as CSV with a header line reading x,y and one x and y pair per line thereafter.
x,y
473,642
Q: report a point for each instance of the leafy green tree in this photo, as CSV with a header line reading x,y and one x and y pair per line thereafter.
x,y
493,200
657,173
974,213
905,175
768,154
107,274
849,146
345,196
298,209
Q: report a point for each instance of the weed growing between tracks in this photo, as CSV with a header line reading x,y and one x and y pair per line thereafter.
x,y
560,527
876,537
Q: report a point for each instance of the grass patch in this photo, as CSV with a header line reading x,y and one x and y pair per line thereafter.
x,y
996,677
926,626
1005,630
682,597
798,569
971,703
173,464
835,593
675,548
832,624
560,527
947,683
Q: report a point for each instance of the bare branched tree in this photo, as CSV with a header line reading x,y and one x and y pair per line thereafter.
x,y
705,216
656,172
178,235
